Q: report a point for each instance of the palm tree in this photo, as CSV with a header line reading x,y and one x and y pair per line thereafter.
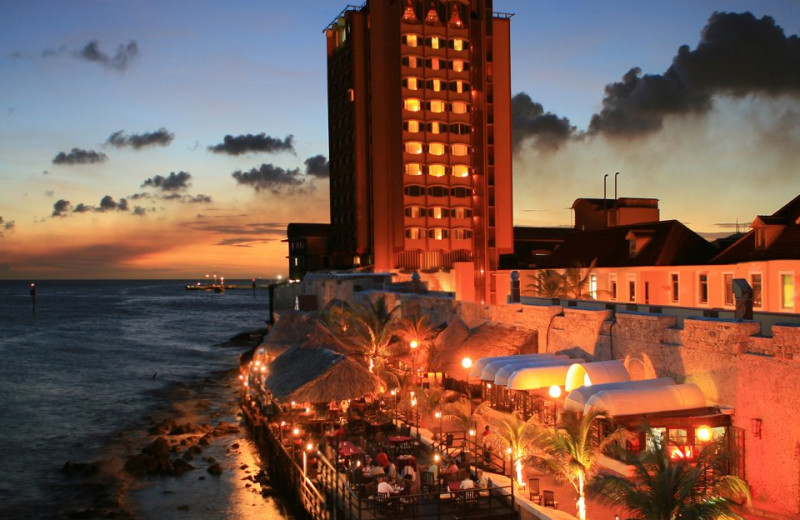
x,y
511,432
547,283
570,449
682,489
373,327
417,333
571,283
462,414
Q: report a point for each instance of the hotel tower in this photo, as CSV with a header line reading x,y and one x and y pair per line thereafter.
x,y
419,121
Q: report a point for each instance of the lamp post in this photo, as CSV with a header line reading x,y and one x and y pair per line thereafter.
x,y
467,364
438,415
554,392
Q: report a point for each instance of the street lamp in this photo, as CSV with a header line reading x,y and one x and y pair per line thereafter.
x,y
467,364
438,415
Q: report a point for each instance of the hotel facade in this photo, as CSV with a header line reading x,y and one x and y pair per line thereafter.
x,y
419,101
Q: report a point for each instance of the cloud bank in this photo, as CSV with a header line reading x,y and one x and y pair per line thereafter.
x,y
253,143
160,137
78,156
172,182
272,178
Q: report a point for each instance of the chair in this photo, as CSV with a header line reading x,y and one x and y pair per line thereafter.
x,y
471,497
427,483
549,499
382,504
533,491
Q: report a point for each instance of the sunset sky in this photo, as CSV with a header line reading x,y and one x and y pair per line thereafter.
x,y
114,160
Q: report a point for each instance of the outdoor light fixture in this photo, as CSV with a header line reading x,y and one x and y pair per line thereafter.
x,y
296,431
309,446
554,391
466,362
703,433
414,344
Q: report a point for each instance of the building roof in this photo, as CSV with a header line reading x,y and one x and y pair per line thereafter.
x,y
304,229
785,245
669,243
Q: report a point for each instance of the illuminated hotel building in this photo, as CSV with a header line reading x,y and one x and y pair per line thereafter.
x,y
419,117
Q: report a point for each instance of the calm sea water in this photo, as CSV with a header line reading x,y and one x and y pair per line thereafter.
x,y
95,360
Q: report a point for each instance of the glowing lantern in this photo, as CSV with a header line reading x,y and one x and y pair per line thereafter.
x,y
466,362
554,391
703,433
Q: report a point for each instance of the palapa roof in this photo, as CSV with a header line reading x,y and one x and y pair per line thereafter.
x,y
319,375
487,339
289,330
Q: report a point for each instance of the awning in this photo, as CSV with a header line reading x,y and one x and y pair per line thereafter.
x,y
576,399
480,364
490,370
633,401
587,374
533,378
502,375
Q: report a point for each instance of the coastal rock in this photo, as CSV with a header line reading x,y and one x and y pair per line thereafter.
x,y
225,428
215,469
154,458
183,429
180,466
163,427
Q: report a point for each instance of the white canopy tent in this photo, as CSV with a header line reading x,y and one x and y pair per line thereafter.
x,y
588,374
632,401
480,364
489,371
576,399
502,375
532,378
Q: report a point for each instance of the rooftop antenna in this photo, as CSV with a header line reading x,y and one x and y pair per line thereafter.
x,y
605,210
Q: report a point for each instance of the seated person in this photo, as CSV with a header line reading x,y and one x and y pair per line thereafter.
x,y
467,483
434,468
385,487
391,471
381,459
410,471
375,471
412,486
451,471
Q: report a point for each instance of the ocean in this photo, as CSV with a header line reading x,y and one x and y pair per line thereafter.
x,y
82,378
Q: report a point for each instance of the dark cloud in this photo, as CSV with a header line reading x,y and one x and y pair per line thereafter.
x,y
253,143
241,242
317,166
738,55
82,208
160,137
6,226
270,178
172,182
529,120
120,61
61,208
138,210
276,230
78,156
108,203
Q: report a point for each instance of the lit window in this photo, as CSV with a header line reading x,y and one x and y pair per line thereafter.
x,y
459,86
458,44
351,94
414,147
755,282
412,105
727,279
412,126
459,65
593,286
435,85
414,190
675,284
787,291
436,106
460,170
459,150
434,63
412,169
412,40
460,192
412,62
437,127
433,42
761,237
437,191
462,234
414,211
412,83
438,233
702,289
459,107
437,170
438,212
436,148
414,233
461,213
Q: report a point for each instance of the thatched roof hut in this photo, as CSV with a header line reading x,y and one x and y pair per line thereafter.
x,y
319,375
487,339
291,327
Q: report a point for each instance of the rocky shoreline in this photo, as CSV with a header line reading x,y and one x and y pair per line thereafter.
x,y
193,460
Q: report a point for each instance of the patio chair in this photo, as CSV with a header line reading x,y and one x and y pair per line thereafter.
x,y
427,483
549,499
382,503
533,491
471,497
